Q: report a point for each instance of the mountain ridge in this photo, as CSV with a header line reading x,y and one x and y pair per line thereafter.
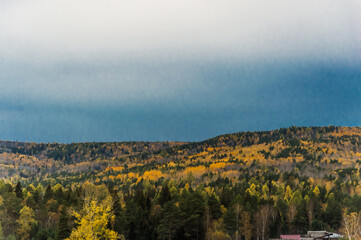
x,y
284,148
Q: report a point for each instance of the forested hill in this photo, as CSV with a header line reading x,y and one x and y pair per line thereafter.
x,y
249,185
307,151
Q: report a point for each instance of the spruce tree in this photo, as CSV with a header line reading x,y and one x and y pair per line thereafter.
x,y
301,220
18,190
48,194
119,218
164,195
64,228
214,207
170,221
193,213
230,220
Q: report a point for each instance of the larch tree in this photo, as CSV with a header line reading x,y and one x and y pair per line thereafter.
x,y
93,220
25,221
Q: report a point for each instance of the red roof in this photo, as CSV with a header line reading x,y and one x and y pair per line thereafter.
x,y
291,237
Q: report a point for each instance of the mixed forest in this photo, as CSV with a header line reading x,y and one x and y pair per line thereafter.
x,y
247,185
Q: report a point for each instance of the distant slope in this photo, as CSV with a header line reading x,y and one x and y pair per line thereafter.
x,y
317,152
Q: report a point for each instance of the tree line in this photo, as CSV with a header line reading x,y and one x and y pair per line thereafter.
x,y
249,209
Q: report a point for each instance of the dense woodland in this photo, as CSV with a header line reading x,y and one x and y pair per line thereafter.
x,y
248,185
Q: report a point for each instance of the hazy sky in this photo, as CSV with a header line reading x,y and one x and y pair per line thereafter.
x,y
115,70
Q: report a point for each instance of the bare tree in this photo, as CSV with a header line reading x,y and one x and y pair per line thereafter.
x,y
262,221
351,225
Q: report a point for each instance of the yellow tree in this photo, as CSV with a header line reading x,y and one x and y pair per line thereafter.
x,y
25,221
288,193
351,226
219,235
246,225
94,219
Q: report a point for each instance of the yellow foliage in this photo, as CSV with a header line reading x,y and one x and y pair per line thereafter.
x,y
358,190
153,175
26,219
230,174
217,166
197,171
120,177
316,191
93,222
252,190
218,235
115,169
351,225
201,154
311,180
171,164
133,175
288,193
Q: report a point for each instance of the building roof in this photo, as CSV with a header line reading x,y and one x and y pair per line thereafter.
x,y
291,237
323,234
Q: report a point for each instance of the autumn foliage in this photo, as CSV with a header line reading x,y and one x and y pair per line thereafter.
x,y
249,185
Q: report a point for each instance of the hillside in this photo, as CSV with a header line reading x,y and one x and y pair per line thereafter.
x,y
248,185
325,152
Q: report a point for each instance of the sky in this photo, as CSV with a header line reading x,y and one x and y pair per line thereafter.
x,y
169,70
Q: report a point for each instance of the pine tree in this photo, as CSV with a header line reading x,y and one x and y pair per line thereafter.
x,y
170,221
230,221
12,205
192,207
333,212
225,196
130,215
141,225
48,194
118,224
18,190
214,207
64,229
301,220
164,195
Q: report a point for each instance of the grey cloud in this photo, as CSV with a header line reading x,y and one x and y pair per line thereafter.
x,y
56,29
175,70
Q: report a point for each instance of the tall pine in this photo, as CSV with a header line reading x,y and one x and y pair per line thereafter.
x,y
64,228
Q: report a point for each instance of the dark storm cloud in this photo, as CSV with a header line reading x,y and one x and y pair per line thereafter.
x,y
234,97
175,70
